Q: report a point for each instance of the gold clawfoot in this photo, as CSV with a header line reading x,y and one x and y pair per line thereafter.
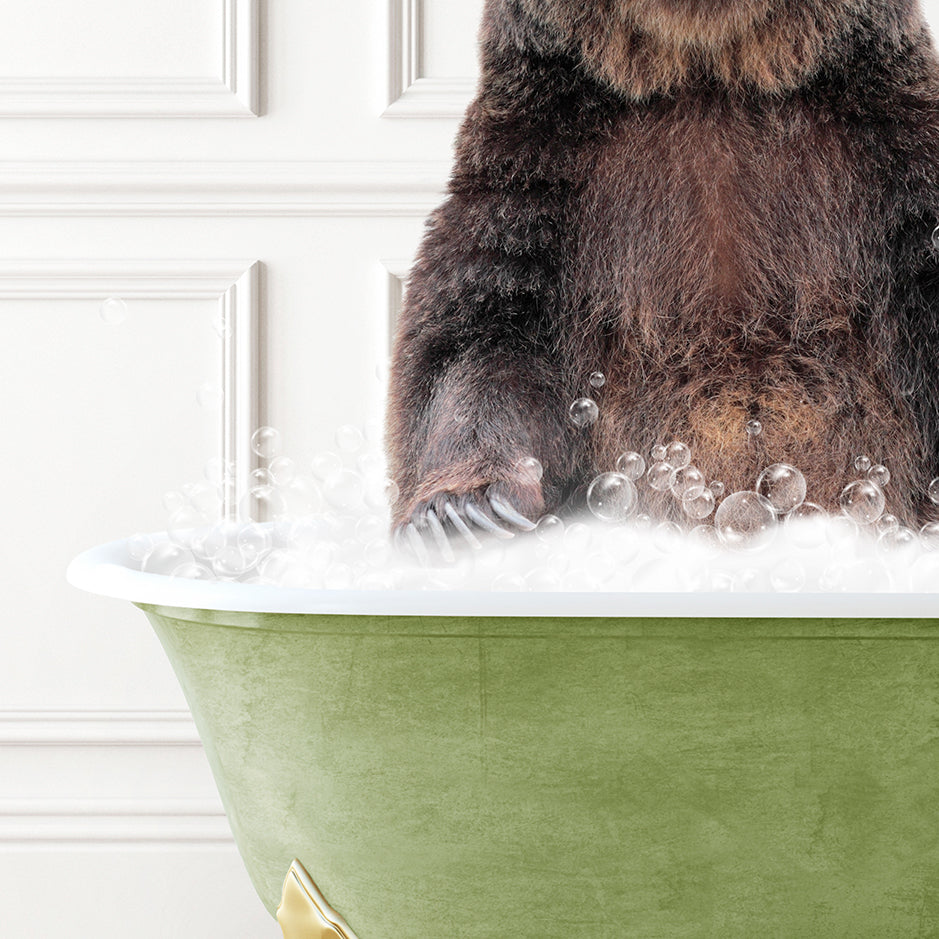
x,y
304,913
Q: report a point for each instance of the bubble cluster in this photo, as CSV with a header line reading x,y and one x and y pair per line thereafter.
x,y
326,525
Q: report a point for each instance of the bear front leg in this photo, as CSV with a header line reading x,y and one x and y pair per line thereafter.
x,y
464,445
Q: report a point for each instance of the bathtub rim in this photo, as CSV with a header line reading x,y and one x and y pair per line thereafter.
x,y
103,570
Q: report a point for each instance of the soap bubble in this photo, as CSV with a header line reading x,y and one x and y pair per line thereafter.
x,y
754,428
899,539
529,469
879,474
717,488
597,380
929,536
584,412
549,528
887,523
611,497
745,520
933,491
659,453
705,537
700,505
139,545
209,396
542,580
302,496
260,476
113,311
281,470
863,501
262,503
217,470
783,486
164,557
326,465
192,570
935,238
349,439
631,464
577,538
805,525
265,442
687,483
666,537
344,490
788,576
661,476
173,500
677,454
841,531
862,464
184,524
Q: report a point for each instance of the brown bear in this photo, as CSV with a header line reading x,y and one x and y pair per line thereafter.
x,y
724,206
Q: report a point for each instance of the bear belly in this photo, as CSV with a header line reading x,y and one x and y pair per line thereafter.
x,y
729,270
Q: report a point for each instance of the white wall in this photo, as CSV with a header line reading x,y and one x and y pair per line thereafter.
x,y
276,162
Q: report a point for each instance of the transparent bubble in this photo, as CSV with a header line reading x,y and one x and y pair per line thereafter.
x,y
659,453
184,524
302,532
584,412
841,531
661,476
164,557
611,497
460,416
783,486
549,528
262,504
209,396
378,553
887,523
929,536
204,498
899,539
805,525
862,464
745,520
261,476
326,465
751,580
788,576
139,545
935,238
191,570
542,580
699,506
529,469
344,491
265,442
254,540
705,537
677,454
302,496
688,483
597,380
349,439
667,537
863,501
879,474
113,311
284,569
233,561
217,470
754,428
577,538
173,501
282,470
717,488
933,491
631,464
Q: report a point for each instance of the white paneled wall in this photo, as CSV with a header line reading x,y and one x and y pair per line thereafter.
x,y
250,177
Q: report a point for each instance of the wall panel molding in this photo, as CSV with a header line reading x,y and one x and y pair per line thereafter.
x,y
233,284
233,93
122,747
228,189
410,92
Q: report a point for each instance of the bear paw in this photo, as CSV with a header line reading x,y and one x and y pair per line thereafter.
x,y
497,511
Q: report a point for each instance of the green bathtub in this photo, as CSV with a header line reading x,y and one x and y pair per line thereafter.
x,y
690,774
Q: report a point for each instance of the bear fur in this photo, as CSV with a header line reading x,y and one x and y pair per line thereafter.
x,y
725,206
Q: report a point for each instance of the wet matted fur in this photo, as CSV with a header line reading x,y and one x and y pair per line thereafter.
x,y
723,205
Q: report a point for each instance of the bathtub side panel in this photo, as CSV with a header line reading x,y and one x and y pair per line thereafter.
x,y
473,783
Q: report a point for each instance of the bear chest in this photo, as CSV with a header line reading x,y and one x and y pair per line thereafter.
x,y
720,212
